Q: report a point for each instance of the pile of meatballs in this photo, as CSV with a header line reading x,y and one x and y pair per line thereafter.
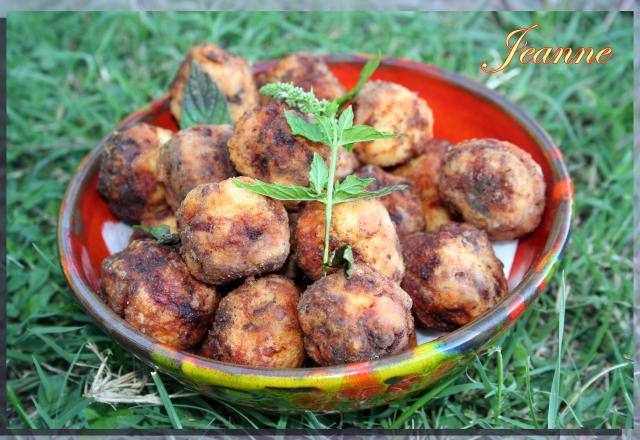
x,y
245,285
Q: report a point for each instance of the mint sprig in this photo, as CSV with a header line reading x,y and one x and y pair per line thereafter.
x,y
325,126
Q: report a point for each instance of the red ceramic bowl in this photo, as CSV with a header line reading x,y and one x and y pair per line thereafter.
x,y
462,109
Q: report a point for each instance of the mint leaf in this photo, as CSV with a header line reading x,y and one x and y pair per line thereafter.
x,y
202,101
343,257
346,119
365,74
362,133
319,174
277,191
328,126
332,108
300,126
161,233
353,188
353,184
384,191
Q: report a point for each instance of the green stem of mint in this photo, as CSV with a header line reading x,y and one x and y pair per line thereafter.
x,y
328,208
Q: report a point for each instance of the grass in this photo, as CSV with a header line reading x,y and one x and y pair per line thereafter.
x,y
73,76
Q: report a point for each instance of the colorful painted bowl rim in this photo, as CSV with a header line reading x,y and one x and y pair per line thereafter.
x,y
476,334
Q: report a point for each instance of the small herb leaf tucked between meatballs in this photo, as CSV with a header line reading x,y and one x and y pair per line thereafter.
x,y
161,233
203,102
343,257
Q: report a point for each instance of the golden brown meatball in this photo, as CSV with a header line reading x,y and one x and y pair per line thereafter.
x,y
263,147
363,224
362,318
257,325
452,275
403,206
495,186
196,155
423,172
149,285
230,72
390,107
306,71
228,232
128,171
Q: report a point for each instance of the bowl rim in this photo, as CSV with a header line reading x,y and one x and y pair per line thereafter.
x,y
481,331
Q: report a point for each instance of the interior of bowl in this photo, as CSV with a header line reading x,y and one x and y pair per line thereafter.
x,y
462,110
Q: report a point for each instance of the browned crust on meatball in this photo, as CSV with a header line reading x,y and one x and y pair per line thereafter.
x,y
303,70
257,325
231,73
149,285
452,275
263,147
228,232
365,225
127,177
423,172
404,206
362,318
193,156
390,107
495,186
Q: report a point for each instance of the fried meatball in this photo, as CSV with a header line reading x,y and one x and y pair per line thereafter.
x,y
495,186
423,172
303,70
149,285
392,108
196,155
452,275
230,72
403,206
229,232
363,224
127,177
257,325
263,147
362,318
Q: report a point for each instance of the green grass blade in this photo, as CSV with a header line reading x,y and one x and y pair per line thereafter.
x,y
166,401
42,413
554,400
76,409
532,408
498,404
13,400
431,394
